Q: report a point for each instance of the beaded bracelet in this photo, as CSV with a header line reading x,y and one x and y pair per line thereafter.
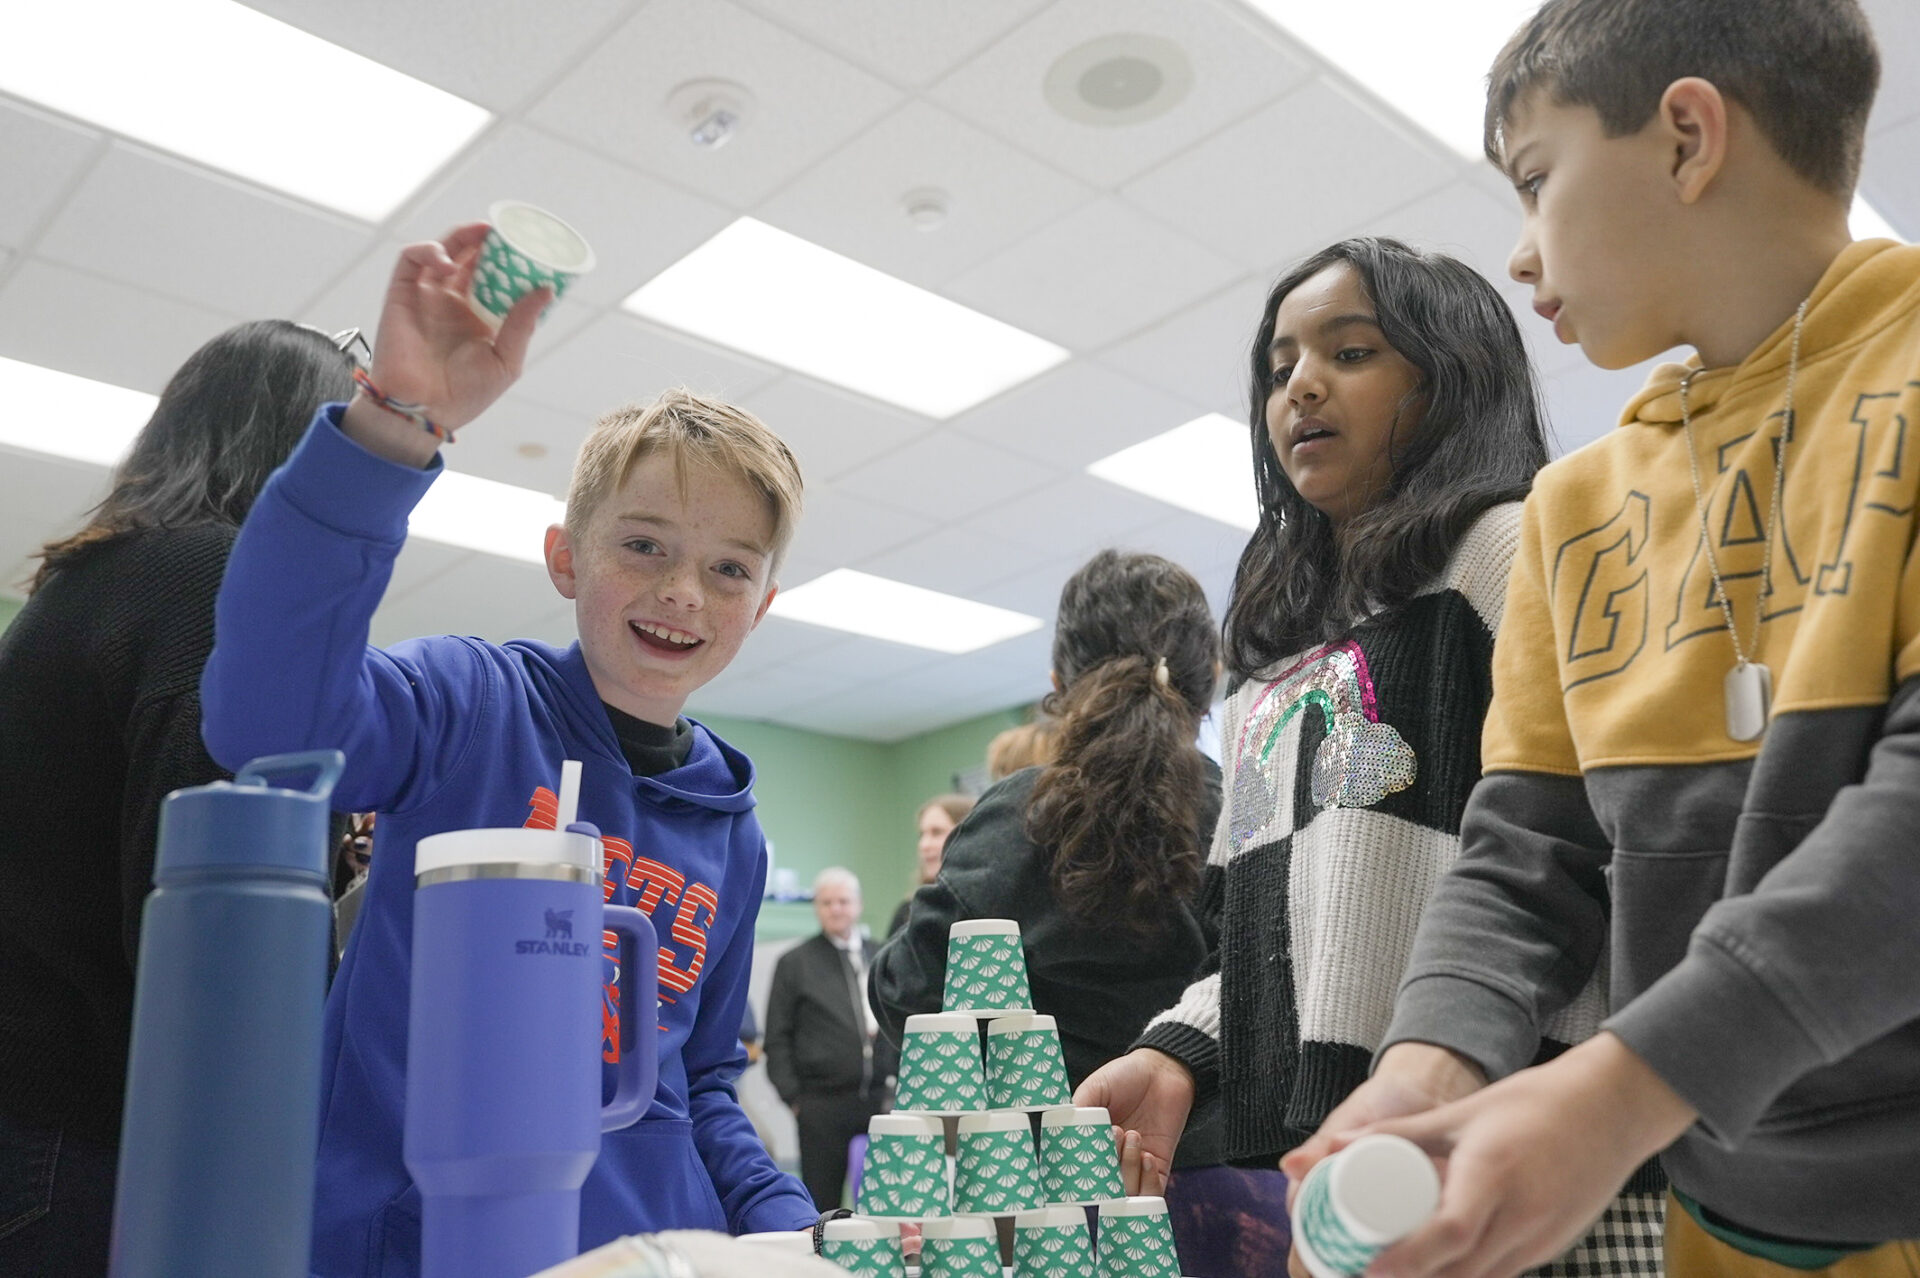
x,y
415,413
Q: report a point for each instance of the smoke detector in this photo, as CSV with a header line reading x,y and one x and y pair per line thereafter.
x,y
711,111
1119,79
926,207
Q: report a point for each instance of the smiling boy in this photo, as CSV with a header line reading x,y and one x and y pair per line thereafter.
x,y
676,522
1702,762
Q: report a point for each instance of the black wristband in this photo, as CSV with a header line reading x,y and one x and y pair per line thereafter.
x,y
820,1226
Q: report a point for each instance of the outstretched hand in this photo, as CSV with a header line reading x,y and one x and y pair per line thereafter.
x,y
434,351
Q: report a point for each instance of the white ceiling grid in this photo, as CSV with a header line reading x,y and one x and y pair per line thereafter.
x,y
1145,249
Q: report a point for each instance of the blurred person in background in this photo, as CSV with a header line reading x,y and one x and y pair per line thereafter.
x,y
1026,745
936,821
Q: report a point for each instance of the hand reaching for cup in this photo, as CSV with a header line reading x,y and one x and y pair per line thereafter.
x,y
434,352
1148,1094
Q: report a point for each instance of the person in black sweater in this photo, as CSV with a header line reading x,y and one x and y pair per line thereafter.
x,y
1097,854
99,721
825,1055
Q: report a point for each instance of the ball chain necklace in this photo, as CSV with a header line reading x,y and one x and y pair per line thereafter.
x,y
1748,688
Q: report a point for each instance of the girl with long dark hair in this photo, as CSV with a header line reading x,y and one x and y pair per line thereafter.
x,y
1097,854
99,720
1395,429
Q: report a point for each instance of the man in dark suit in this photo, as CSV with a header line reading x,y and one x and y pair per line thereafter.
x,y
825,1054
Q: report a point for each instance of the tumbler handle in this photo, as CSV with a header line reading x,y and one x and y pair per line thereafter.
x,y
639,993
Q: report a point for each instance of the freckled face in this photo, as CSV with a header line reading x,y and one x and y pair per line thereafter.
x,y
1343,400
668,578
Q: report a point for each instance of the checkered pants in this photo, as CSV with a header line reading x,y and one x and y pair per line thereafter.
x,y
1625,1240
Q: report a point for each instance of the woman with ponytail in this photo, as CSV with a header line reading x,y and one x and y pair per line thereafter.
x,y
1097,854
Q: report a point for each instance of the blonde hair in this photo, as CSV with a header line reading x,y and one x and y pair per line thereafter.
x,y
687,428
1025,746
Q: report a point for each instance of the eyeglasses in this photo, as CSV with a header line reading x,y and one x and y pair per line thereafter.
x,y
348,338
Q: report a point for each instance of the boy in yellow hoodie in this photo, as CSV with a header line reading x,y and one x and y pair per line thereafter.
x,y
1702,762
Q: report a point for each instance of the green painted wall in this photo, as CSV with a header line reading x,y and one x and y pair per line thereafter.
x,y
7,608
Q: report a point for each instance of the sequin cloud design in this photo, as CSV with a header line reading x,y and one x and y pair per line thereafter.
x,y
1361,761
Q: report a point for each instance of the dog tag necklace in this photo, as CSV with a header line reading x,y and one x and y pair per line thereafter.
x,y
1748,688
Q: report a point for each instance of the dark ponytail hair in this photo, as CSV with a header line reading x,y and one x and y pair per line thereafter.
x,y
1120,805
227,418
1477,444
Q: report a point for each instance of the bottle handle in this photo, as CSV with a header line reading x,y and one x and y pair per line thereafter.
x,y
639,994
326,765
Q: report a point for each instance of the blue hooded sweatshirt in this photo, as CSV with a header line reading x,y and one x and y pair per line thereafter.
x,y
454,733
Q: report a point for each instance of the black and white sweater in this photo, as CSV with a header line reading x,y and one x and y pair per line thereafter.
x,y
1346,771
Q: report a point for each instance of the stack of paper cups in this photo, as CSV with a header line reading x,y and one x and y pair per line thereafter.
x,y
1025,1066
1136,1239
940,1070
1052,1242
996,1173
986,968
904,1175
868,1248
1361,1200
1079,1162
963,1247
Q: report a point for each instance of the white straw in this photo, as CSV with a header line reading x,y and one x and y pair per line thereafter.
x,y
569,793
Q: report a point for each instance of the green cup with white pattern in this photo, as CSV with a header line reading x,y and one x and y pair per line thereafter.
x,y
996,1172
960,1247
1356,1203
526,248
1052,1242
869,1248
1025,1066
904,1175
1079,1162
1136,1239
940,1069
986,968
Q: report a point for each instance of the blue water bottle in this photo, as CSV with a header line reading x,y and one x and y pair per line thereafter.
x,y
223,1080
504,1037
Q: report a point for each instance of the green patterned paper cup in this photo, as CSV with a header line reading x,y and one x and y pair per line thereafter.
x,y
526,247
905,1172
963,1247
1025,1067
1136,1240
1079,1163
869,1248
1357,1202
996,1173
986,968
1052,1242
940,1069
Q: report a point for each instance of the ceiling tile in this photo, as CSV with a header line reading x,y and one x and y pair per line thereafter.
x,y
44,157
1075,415
1071,519
618,360
831,431
1896,28
419,562
1584,402
200,237
1891,179
806,102
1334,162
1237,63
956,561
853,202
839,528
41,498
1099,273
91,327
495,53
1201,353
871,658
491,446
484,595
1035,590
908,44
765,694
637,225
945,476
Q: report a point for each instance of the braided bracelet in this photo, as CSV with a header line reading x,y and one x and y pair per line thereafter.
x,y
415,413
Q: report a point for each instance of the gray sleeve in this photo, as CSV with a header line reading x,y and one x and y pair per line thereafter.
x,y
1514,930
1820,959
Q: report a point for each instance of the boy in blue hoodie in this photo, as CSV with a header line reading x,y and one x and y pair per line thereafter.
x,y
676,522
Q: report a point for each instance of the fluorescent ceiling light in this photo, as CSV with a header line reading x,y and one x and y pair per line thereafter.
x,y
67,416
1205,466
774,295
1866,223
484,514
233,89
892,610
1427,60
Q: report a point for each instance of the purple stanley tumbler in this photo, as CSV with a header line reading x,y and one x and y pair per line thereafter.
x,y
504,1109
